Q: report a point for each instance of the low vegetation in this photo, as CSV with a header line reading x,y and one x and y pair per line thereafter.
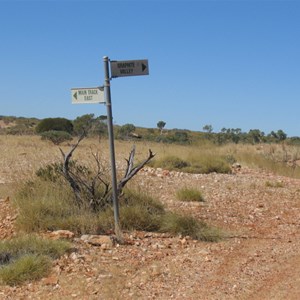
x,y
26,268
199,165
278,159
27,258
189,226
189,195
45,205
49,206
276,184
48,202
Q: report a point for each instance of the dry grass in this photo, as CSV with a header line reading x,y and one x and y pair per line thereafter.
x,y
273,158
21,156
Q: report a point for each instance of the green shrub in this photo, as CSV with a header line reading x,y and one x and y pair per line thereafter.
x,y
57,124
27,258
176,224
200,165
136,198
125,131
90,125
216,165
189,194
181,137
170,163
43,205
189,226
138,218
208,163
26,268
32,244
56,137
83,123
138,211
141,212
51,172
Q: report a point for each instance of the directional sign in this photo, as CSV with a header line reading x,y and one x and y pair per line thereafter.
x,y
88,95
129,68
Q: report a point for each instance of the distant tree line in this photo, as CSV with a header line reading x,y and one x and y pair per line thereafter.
x,y
59,130
235,135
56,130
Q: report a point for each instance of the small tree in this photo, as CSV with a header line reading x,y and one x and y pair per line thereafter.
x,y
126,130
90,125
83,123
281,135
255,136
161,125
208,128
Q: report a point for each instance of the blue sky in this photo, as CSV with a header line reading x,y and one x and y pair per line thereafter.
x,y
233,64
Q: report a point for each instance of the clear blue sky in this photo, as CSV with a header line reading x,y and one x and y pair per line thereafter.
x,y
233,64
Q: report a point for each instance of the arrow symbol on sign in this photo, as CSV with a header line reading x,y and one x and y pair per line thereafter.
x,y
75,95
144,67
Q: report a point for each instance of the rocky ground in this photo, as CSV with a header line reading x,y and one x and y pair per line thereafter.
x,y
258,259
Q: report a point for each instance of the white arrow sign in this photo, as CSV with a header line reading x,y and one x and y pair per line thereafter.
x,y
129,68
87,95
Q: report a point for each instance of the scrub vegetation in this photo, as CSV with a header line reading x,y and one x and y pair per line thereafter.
x,y
46,205
45,201
189,195
28,257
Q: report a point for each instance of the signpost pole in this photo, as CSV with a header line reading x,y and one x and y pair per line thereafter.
x,y
112,148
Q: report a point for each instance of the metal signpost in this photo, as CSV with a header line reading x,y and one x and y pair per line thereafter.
x,y
112,148
102,95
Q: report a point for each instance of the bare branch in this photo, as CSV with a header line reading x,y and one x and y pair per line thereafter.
x,y
130,161
130,171
66,171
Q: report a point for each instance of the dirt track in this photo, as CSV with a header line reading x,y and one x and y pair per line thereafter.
x,y
260,259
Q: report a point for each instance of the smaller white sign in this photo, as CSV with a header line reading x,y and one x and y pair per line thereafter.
x,y
87,95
